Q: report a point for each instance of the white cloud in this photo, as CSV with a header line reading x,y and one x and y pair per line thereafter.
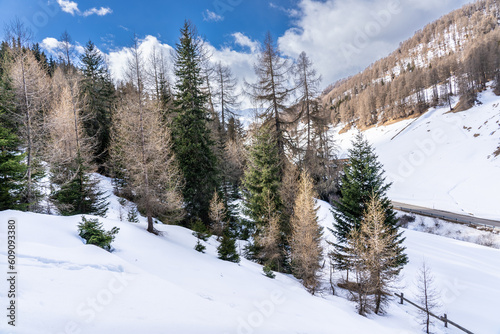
x,y
50,44
288,11
342,37
68,6
244,41
71,7
53,46
118,60
79,49
241,63
99,12
210,16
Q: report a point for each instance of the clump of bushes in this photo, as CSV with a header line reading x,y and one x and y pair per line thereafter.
x,y
405,219
94,234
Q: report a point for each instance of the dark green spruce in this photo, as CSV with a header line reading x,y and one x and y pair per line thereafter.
x,y
262,176
99,94
12,167
227,249
81,194
362,178
261,192
12,170
192,141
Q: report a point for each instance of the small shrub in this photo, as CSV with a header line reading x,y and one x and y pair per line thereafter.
x,y
268,272
200,230
227,249
486,240
250,251
199,247
133,216
405,219
94,234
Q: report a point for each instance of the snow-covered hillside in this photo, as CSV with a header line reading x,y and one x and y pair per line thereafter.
x,y
442,160
160,284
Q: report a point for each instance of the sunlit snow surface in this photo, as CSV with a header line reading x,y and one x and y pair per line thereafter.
x,y
160,284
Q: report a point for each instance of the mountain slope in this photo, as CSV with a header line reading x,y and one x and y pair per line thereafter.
x,y
454,56
442,160
155,284
160,284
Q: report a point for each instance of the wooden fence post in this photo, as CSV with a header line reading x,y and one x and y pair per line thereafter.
x,y
401,302
445,320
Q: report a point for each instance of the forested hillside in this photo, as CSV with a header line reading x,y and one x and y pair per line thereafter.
x,y
453,56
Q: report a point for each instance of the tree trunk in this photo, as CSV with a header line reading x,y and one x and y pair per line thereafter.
x,y
29,149
378,298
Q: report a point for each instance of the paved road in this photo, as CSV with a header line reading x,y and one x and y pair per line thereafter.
x,y
454,217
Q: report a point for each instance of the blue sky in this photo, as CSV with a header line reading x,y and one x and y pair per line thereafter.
x,y
342,37
158,18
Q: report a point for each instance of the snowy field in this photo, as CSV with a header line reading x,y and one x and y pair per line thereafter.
x,y
442,160
160,284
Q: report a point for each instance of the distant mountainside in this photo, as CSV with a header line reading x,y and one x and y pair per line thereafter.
x,y
453,56
442,160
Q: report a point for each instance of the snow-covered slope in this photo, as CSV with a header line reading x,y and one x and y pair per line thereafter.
x,y
160,284
442,160
466,275
153,284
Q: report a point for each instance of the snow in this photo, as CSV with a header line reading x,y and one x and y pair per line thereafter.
x,y
466,275
481,235
442,160
153,284
160,284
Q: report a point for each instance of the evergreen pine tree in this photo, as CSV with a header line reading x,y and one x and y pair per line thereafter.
x,y
362,179
261,178
132,216
235,130
200,230
268,272
12,170
97,91
94,234
263,204
192,142
81,194
199,247
12,167
227,249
